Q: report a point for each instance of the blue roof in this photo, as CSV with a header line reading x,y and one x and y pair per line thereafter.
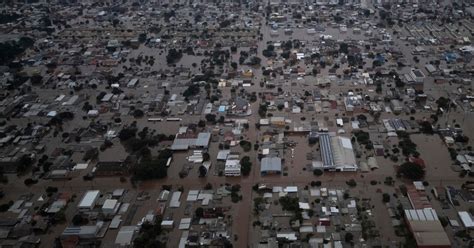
x,y
326,150
450,56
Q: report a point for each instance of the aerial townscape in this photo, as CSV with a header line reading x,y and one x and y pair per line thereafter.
x,y
237,123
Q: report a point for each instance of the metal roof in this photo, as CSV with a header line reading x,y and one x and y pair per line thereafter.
x,y
270,164
326,150
203,139
89,199
125,235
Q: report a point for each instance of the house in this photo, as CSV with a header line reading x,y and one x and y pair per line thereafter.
x,y
352,103
417,75
132,83
89,200
430,68
396,106
82,232
239,107
466,219
232,167
9,164
126,236
110,206
277,121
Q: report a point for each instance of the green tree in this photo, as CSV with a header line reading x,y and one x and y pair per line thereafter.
x,y
246,165
211,118
199,212
317,172
173,56
344,48
411,171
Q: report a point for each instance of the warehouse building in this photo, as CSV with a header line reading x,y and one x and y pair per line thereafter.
x,y
185,141
270,165
89,200
337,153
426,228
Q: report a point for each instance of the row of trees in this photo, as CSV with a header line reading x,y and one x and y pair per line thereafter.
x,y
10,49
152,168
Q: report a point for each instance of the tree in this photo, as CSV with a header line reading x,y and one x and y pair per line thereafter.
x,y
317,172
378,88
262,110
92,153
152,169
351,183
202,171
66,115
51,190
199,212
127,133
246,146
289,203
202,123
426,127
24,163
78,220
221,119
165,154
246,165
344,48
411,171
442,102
29,181
461,139
211,118
142,37
386,198
36,79
255,61
148,235
173,56
206,156
192,90
225,23
144,133
349,237
10,49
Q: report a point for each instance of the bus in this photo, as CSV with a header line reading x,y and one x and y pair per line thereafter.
x,y
168,163
173,119
155,119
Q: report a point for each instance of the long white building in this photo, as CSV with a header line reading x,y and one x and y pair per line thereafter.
x,y
337,153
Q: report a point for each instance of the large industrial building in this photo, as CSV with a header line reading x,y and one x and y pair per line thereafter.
x,y
270,165
337,153
426,228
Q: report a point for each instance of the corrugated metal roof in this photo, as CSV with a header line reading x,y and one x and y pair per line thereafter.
x,y
270,164
326,150
203,139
